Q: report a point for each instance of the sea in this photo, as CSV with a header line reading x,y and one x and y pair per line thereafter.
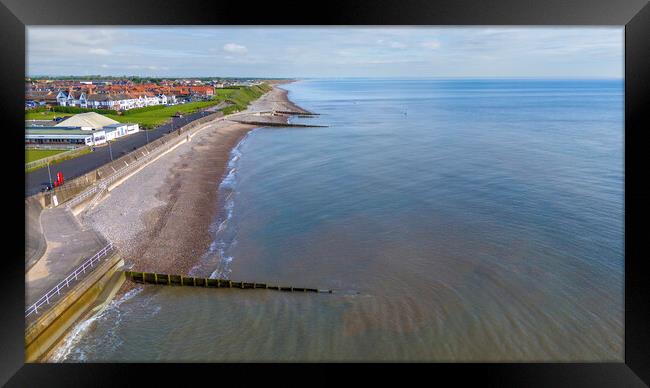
x,y
454,220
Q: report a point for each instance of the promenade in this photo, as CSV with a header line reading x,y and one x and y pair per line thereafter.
x,y
69,243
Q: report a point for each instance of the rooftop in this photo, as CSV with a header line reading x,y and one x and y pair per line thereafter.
x,y
116,125
89,119
57,131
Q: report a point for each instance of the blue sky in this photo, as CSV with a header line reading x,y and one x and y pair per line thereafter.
x,y
553,52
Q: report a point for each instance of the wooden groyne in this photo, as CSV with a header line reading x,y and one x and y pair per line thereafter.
x,y
277,124
187,281
289,112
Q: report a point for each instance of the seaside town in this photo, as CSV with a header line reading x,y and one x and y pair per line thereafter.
x,y
121,94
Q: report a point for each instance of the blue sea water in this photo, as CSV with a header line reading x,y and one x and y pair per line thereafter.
x,y
456,220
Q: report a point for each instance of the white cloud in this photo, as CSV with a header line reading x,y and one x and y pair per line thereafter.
x,y
99,51
235,48
297,52
391,44
431,44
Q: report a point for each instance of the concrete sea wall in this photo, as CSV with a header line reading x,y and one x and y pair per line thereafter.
x,y
35,244
43,334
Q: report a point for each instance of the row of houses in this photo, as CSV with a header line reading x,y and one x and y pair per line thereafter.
x,y
80,99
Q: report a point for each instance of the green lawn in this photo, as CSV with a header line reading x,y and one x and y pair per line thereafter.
x,y
44,115
157,117
240,97
32,155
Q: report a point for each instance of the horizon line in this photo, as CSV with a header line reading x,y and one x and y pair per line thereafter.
x,y
333,77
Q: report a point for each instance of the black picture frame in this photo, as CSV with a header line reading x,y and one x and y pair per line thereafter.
x,y
15,15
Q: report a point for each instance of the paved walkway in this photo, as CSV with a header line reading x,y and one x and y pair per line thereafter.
x,y
68,245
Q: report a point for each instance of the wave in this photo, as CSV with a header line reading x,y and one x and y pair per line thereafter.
x,y
69,349
216,258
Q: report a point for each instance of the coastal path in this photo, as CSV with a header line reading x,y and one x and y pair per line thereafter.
x,y
68,245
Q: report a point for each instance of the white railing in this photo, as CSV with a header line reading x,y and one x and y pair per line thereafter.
x,y
97,197
104,183
81,196
69,280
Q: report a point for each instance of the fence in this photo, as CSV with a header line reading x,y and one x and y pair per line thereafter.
x,y
69,280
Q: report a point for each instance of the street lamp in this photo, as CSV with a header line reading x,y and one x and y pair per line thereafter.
x,y
49,173
146,132
110,150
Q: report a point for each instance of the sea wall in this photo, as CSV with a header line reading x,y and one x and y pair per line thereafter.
x,y
34,240
76,185
44,333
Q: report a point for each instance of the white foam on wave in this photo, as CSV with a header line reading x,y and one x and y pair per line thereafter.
x,y
69,344
229,181
216,257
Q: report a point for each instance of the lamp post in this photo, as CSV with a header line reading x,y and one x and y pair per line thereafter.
x,y
110,150
49,173
146,132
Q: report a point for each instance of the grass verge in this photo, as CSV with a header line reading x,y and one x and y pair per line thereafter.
x,y
63,157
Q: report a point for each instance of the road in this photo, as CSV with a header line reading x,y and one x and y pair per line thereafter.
x,y
72,168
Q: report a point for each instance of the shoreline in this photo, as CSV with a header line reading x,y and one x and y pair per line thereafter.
x,y
144,210
160,219
180,230
168,211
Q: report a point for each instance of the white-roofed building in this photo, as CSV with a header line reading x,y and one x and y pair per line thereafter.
x,y
87,121
98,130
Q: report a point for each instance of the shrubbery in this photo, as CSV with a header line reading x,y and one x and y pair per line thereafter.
x,y
74,109
230,109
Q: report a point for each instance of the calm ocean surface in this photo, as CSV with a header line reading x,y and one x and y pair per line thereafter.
x,y
455,220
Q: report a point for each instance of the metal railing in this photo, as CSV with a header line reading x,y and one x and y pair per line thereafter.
x,y
81,196
70,279
103,184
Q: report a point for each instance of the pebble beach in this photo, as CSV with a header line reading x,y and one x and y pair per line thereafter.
x,y
159,218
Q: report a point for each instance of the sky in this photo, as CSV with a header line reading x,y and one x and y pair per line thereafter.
x,y
313,52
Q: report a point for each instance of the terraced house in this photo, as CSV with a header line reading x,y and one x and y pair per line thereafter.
x,y
114,95
72,98
124,101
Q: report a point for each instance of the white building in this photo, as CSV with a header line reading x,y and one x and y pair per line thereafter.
x,y
92,121
64,136
120,129
87,121
72,98
125,101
